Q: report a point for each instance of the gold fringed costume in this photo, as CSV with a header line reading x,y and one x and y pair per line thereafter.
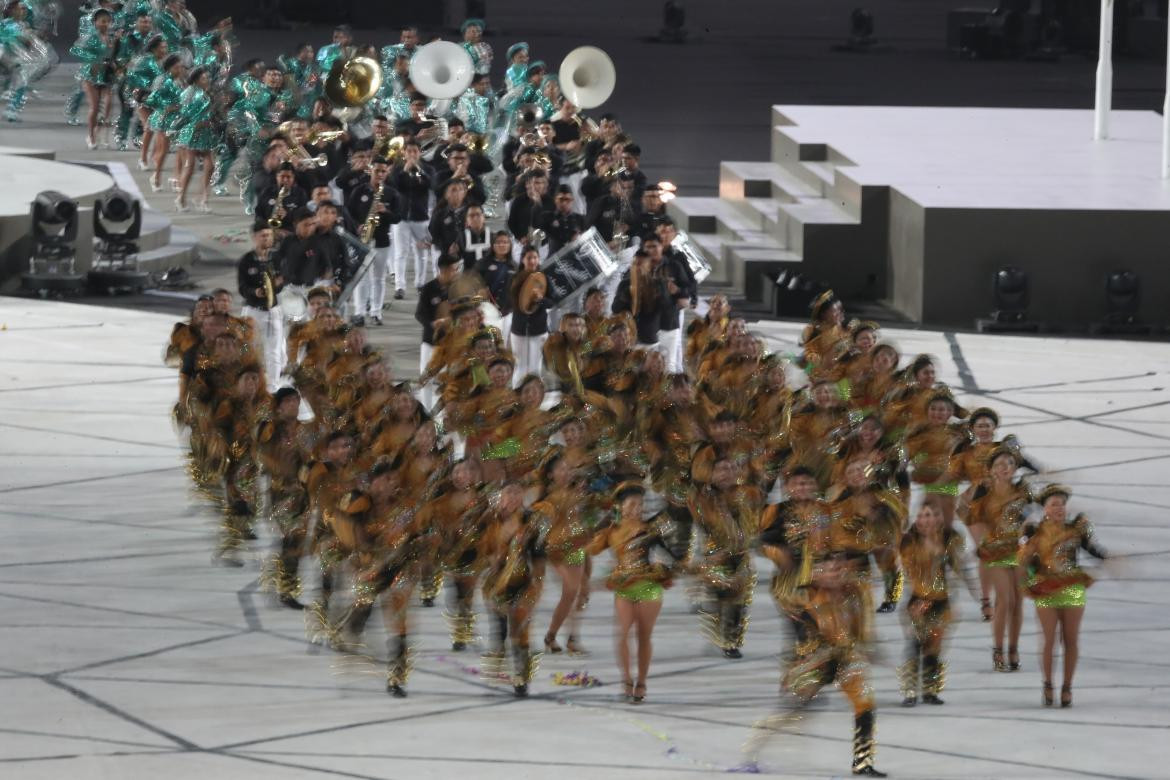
x,y
730,521
513,548
285,447
926,560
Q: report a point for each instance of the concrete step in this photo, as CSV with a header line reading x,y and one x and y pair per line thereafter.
x,y
814,212
182,250
156,231
760,216
701,215
694,214
711,246
738,180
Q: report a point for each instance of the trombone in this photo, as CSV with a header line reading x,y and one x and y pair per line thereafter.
x,y
297,151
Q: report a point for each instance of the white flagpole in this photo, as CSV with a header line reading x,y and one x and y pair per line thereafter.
x,y
1104,73
1166,115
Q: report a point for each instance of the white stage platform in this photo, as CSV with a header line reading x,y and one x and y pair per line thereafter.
x,y
125,654
1004,158
920,206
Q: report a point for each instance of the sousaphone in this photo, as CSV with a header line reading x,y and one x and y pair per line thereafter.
x,y
587,76
441,70
351,84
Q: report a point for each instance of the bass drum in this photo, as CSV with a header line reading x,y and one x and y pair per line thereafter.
x,y
293,303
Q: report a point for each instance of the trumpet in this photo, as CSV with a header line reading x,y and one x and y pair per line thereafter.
x,y
476,143
297,151
277,218
389,148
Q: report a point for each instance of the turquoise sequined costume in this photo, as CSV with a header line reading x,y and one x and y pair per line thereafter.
x,y
95,55
475,110
327,55
164,100
143,72
515,75
309,85
390,54
170,29
130,50
84,28
12,72
195,131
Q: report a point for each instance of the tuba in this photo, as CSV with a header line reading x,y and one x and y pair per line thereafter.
x,y
351,84
587,76
441,70
528,115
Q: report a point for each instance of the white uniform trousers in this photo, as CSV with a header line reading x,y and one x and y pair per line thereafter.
x,y
425,393
370,293
268,327
529,353
670,345
405,239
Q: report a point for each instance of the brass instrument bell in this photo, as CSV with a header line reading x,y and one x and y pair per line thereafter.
x,y
353,83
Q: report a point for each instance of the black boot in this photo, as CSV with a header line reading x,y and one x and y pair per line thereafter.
x,y
732,629
933,679
863,746
398,669
893,591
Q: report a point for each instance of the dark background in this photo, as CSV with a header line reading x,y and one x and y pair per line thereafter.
x,y
707,100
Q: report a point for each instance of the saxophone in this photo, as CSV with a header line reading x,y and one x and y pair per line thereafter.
x,y
277,218
371,224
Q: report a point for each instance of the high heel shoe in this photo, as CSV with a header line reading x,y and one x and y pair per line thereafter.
x,y
1013,659
550,644
155,184
143,165
1065,696
573,646
202,207
628,694
1047,694
638,698
997,660
180,206
90,143
985,608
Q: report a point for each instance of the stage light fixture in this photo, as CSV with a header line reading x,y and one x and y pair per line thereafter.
x,y
674,23
54,217
792,292
54,239
860,26
1123,297
115,264
1010,292
1010,288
